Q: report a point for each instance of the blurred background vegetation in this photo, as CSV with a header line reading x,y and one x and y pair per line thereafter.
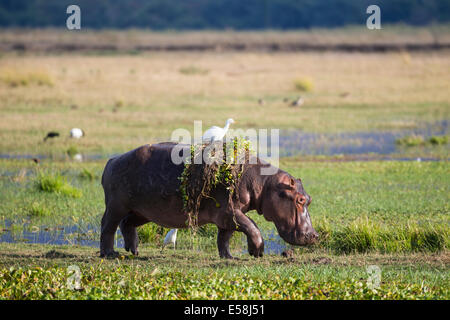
x,y
220,14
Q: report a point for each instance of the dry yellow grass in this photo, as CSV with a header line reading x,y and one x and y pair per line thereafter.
x,y
123,101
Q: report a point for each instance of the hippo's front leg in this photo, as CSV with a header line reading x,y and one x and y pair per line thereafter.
x,y
250,229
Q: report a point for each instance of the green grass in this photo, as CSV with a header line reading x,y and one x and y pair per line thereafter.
x,y
37,209
88,174
365,236
357,206
41,272
412,141
390,214
72,151
193,70
438,140
56,183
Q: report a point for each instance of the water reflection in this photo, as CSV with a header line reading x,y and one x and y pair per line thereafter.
x,y
87,235
273,244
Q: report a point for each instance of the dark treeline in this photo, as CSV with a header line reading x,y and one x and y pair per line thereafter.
x,y
219,14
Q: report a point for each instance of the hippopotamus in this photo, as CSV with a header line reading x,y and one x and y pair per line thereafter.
x,y
143,186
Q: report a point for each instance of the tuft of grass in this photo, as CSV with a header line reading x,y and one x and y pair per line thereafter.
x,y
428,239
87,174
72,151
438,140
119,103
193,70
303,84
37,210
364,236
410,141
150,233
356,237
56,183
14,78
414,140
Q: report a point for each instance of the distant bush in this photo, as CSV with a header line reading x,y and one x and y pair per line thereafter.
x,y
193,70
303,84
438,140
56,183
119,103
410,141
14,78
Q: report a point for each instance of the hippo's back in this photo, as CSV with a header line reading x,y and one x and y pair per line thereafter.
x,y
143,172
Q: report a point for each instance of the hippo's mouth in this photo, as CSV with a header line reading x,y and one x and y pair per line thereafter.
x,y
296,235
297,238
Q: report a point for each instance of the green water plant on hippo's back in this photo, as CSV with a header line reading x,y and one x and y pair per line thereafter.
x,y
197,181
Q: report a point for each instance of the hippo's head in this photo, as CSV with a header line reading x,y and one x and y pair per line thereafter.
x,y
285,202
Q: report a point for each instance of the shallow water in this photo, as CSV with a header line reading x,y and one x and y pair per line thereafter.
x,y
273,244
54,235
296,142
89,236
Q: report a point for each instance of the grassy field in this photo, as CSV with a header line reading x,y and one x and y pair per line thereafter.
x,y
42,272
391,214
125,101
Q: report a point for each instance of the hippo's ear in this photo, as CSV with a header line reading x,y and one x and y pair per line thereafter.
x,y
288,181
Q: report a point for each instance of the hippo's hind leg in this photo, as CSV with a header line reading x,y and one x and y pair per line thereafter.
x,y
128,228
110,221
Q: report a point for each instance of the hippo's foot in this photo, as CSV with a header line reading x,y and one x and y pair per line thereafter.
x,y
226,255
134,250
256,250
109,254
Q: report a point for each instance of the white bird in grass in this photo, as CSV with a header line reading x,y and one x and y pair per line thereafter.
x,y
216,133
171,237
76,133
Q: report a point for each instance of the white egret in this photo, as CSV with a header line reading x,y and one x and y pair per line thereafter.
x,y
78,157
76,133
171,238
216,133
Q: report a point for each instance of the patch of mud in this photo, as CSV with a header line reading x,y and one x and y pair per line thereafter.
x,y
289,253
322,260
53,254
